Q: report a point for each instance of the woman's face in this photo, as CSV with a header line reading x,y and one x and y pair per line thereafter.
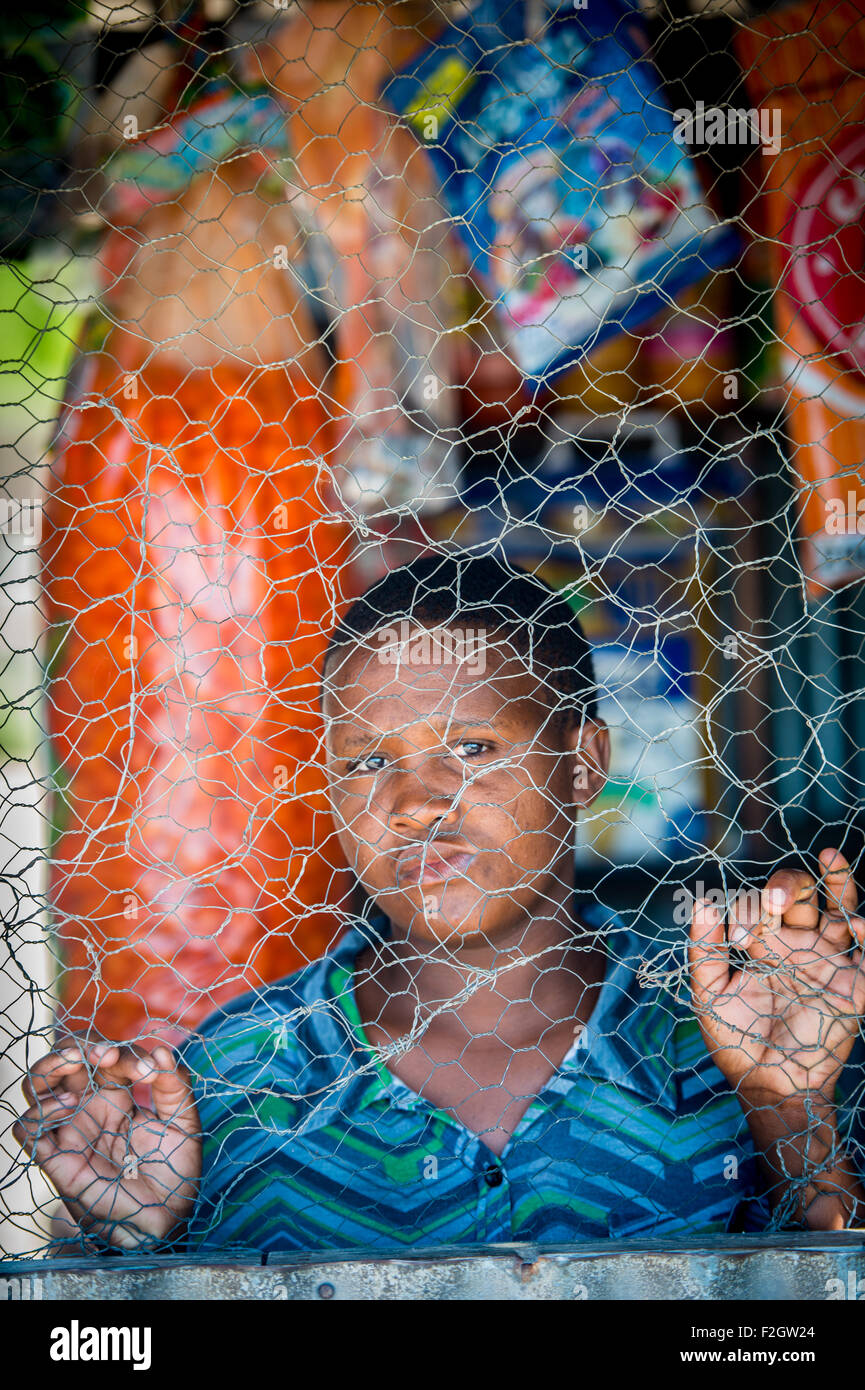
x,y
453,788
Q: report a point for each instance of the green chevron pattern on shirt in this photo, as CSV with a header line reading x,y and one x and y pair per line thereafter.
x,y
312,1144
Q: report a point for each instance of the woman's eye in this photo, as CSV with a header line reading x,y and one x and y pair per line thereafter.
x,y
474,747
366,764
374,762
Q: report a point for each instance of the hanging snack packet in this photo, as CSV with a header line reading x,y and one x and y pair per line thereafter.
x,y
808,61
558,162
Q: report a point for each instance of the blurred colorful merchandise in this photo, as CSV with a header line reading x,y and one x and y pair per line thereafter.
x,y
810,61
194,568
193,564
381,260
681,359
689,354
557,160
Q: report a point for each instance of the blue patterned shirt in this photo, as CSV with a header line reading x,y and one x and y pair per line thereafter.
x,y
312,1144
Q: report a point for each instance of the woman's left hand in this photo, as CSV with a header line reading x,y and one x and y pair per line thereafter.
x,y
784,1024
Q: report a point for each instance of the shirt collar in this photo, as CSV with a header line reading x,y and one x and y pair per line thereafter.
x,y
629,1038
374,1080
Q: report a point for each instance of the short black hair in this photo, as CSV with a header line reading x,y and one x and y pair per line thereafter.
x,y
448,588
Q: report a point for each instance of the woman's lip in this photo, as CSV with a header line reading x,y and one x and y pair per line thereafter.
x,y
435,868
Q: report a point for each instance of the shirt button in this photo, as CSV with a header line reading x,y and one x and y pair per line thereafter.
x,y
493,1176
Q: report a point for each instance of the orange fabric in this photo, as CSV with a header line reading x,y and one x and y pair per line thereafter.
x,y
190,549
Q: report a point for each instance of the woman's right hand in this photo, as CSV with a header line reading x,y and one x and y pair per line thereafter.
x,y
129,1175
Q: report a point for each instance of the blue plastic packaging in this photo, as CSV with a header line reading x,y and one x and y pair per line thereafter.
x,y
582,214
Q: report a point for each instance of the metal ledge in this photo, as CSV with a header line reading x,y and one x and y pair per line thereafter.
x,y
802,1266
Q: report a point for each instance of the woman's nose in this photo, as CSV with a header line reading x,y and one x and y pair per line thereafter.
x,y
420,796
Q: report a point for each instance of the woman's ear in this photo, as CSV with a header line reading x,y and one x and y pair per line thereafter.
x,y
589,745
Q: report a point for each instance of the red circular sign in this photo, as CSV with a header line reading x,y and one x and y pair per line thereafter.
x,y
826,241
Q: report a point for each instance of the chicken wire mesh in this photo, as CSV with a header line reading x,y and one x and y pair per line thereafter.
x,y
545,321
